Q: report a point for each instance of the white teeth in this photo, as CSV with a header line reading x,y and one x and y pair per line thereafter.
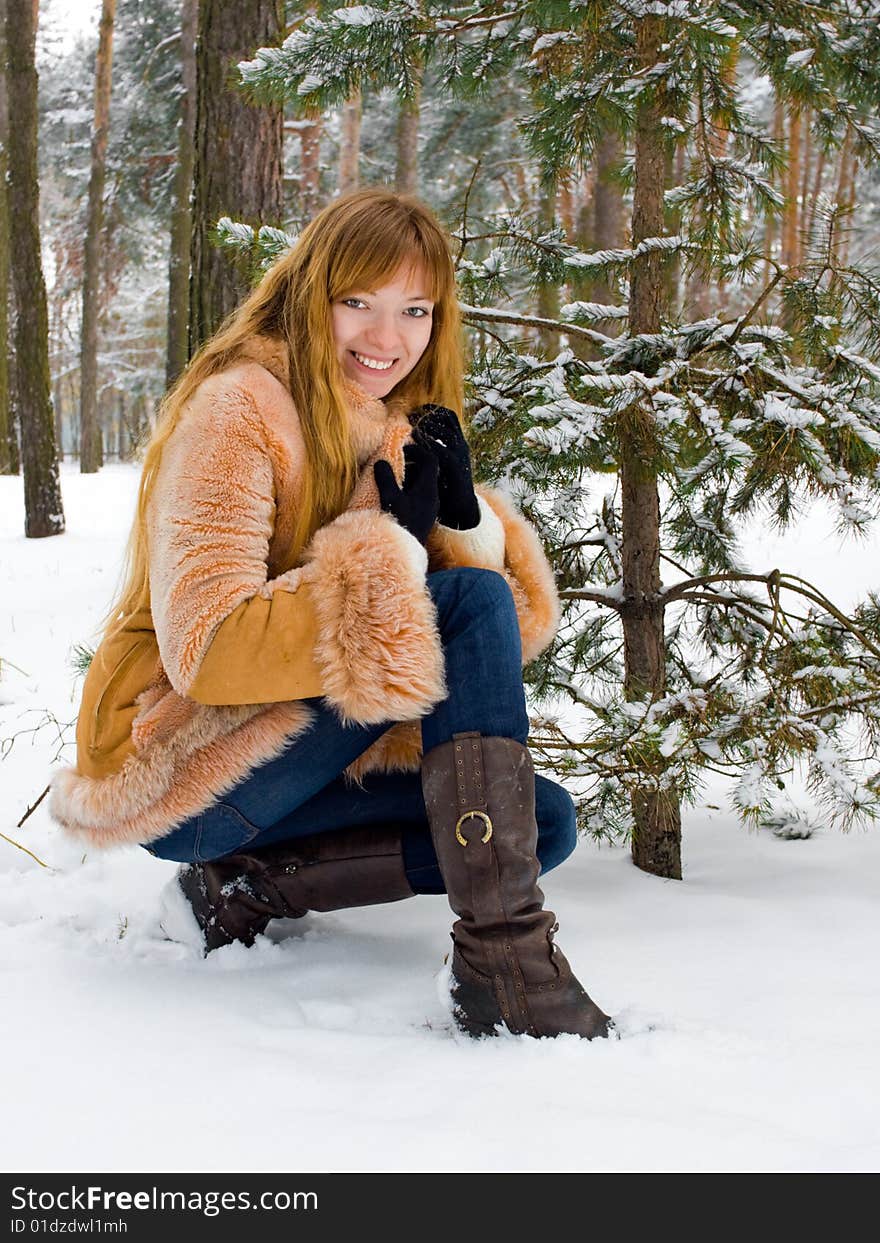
x,y
374,362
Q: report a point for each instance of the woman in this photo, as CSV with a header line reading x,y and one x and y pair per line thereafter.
x,y
310,690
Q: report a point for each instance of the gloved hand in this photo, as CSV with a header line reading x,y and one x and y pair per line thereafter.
x,y
416,504
439,429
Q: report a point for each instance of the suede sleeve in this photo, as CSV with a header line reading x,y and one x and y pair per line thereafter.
x,y
262,652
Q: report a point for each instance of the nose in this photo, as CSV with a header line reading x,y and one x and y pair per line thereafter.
x,y
382,333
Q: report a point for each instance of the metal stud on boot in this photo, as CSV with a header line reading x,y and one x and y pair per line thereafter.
x,y
480,797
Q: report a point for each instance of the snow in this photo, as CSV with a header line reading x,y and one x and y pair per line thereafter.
x,y
747,995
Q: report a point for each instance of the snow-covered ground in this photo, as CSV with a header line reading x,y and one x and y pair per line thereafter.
x,y
747,995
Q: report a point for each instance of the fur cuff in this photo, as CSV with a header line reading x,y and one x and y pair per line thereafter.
x,y
482,545
378,647
530,576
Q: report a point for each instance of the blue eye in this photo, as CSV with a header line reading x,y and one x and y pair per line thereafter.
x,y
348,301
419,312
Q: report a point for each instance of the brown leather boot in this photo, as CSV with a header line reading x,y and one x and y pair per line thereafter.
x,y
234,898
480,797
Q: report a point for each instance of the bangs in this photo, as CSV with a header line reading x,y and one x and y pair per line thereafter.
x,y
396,241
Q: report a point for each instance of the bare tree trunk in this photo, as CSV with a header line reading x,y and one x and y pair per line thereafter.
x,y
790,220
675,277
44,514
770,230
548,291
565,208
310,167
56,313
817,189
181,210
350,146
9,460
656,844
846,190
91,449
238,153
806,174
406,175
608,223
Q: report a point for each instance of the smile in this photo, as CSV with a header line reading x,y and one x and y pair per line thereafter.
x,y
374,364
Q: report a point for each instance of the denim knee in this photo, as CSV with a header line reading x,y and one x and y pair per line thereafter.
x,y
470,583
557,822
479,593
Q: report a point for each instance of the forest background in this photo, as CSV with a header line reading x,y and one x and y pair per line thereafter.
x,y
665,220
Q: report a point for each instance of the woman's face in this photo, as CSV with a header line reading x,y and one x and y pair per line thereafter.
x,y
380,334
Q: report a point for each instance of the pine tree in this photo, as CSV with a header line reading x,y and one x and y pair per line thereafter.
x,y
766,399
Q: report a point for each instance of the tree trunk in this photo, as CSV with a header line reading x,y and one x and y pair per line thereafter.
x,y
310,167
806,176
9,459
44,514
846,189
818,176
790,220
350,145
656,844
91,449
238,154
548,302
565,208
406,174
607,208
181,210
770,229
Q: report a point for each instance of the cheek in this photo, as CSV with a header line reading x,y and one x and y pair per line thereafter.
x,y
420,338
340,327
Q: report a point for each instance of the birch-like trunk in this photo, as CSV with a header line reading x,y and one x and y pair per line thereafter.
x,y
91,449
350,145
44,514
656,844
238,154
181,209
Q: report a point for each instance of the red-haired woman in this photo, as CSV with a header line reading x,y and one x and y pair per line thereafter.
x,y
310,689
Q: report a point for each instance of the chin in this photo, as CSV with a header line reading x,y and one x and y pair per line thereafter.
x,y
376,386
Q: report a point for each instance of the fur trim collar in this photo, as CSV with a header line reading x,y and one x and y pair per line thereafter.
x,y
369,416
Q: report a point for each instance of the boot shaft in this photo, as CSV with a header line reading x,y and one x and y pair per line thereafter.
x,y
480,796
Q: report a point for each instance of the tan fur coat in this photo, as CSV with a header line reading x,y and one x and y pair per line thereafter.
x,y
208,683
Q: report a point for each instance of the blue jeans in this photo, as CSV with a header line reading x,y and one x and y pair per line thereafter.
x,y
302,791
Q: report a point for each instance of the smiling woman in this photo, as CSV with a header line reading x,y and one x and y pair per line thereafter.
x,y
381,334
310,690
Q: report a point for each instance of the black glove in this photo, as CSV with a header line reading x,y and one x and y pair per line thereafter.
x,y
415,505
438,429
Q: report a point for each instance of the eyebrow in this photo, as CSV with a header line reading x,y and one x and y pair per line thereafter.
x,y
420,297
